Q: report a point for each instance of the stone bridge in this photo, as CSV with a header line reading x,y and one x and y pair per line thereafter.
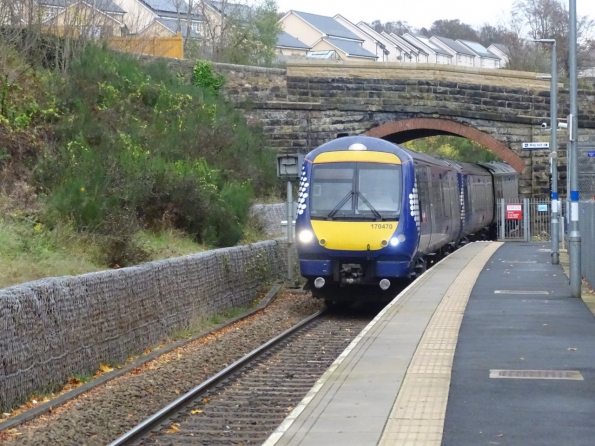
x,y
310,102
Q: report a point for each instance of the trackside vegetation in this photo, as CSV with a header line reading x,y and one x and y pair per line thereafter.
x,y
114,153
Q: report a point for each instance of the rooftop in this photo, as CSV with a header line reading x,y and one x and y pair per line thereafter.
x,y
351,48
455,46
478,48
288,41
327,25
101,5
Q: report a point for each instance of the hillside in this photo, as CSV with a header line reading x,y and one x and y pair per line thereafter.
x,y
112,162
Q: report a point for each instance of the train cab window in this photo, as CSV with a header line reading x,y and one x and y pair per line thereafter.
x,y
354,191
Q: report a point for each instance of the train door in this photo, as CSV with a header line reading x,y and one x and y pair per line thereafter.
x,y
423,188
435,207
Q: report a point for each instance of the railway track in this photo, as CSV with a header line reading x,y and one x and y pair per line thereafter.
x,y
244,403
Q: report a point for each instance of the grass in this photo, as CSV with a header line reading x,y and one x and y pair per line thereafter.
x,y
29,251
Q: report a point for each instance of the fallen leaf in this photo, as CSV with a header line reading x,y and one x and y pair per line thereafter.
x,y
206,400
289,409
194,412
501,435
150,390
105,368
175,428
177,392
572,349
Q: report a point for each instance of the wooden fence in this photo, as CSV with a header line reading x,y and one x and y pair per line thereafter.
x,y
155,46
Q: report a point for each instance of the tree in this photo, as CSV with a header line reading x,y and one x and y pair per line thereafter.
x,y
548,19
453,29
397,27
489,34
238,33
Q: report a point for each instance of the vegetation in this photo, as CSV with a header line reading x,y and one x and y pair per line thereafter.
x,y
452,147
103,162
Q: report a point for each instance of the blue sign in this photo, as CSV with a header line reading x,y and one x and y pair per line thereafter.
x,y
591,153
542,208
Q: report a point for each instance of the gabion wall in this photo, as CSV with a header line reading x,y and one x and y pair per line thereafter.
x,y
53,328
271,216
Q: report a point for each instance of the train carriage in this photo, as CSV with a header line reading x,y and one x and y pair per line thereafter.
x,y
372,212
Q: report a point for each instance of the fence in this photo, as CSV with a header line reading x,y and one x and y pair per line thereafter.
x,y
154,46
526,220
587,230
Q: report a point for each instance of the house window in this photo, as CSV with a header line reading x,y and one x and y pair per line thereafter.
x,y
195,27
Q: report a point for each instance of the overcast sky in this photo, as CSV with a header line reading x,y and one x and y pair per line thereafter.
x,y
419,13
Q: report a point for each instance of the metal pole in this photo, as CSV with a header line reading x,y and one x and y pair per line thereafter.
x,y
574,245
502,219
290,232
554,158
526,219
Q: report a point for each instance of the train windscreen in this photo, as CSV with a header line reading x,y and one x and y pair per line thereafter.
x,y
356,191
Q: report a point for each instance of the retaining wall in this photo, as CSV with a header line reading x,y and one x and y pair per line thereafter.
x,y
53,328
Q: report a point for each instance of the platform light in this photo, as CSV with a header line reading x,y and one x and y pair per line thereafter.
x,y
306,236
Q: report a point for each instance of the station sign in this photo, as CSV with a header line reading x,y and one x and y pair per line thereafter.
x,y
536,145
514,212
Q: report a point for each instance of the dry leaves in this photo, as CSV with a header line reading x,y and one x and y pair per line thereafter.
x,y
174,429
196,411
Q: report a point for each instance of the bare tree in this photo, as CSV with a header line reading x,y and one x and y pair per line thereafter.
x,y
548,19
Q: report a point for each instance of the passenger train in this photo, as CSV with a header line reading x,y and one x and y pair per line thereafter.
x,y
373,213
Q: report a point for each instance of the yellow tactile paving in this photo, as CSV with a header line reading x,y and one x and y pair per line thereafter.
x,y
417,418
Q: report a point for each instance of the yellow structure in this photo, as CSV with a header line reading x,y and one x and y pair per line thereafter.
x,y
154,46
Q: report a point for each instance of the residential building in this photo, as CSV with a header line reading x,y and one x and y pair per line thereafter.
x,y
462,56
436,54
385,49
290,47
418,55
485,58
161,18
220,16
369,43
76,17
502,52
324,33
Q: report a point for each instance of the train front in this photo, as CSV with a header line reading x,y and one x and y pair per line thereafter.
x,y
358,215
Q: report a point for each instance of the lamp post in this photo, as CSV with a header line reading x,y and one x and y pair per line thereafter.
x,y
574,237
555,229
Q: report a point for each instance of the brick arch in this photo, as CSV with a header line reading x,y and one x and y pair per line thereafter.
x,y
443,126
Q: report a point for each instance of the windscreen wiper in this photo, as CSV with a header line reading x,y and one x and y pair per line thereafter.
x,y
374,211
338,207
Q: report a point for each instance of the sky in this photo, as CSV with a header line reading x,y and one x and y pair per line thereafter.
x,y
418,13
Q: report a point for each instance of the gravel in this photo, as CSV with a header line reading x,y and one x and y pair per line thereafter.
x,y
105,413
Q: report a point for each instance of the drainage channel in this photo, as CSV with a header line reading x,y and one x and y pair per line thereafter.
x,y
246,402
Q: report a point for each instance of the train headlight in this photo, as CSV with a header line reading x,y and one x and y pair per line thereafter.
x,y
306,236
398,239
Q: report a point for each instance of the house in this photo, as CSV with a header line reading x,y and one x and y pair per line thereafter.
x,y
501,51
485,58
101,18
418,55
385,48
324,33
436,54
161,18
462,56
381,49
290,47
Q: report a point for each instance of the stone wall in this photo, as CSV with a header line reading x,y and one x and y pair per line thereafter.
x,y
53,328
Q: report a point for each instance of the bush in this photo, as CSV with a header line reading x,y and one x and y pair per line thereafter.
x,y
136,148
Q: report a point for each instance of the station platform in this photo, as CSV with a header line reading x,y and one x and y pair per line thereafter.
x,y
486,348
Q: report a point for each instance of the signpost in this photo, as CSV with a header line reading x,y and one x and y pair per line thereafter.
x,y
536,145
514,212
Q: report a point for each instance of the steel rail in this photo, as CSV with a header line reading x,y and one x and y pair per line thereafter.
x,y
167,412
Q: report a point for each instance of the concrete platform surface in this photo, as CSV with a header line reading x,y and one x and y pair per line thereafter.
x,y
486,348
353,403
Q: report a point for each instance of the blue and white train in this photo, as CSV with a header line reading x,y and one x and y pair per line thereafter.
x,y
372,213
